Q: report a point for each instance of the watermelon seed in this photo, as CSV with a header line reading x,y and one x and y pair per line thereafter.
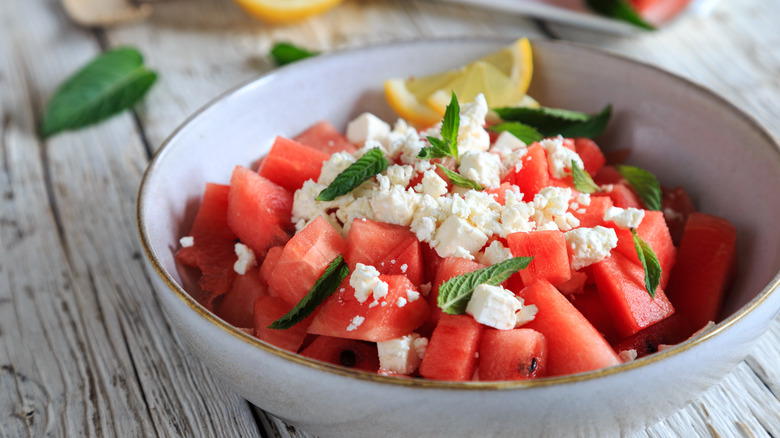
x,y
347,358
528,369
533,366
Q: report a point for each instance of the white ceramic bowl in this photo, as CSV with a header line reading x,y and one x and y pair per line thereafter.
x,y
682,132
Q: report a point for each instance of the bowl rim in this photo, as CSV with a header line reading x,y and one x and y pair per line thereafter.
x,y
189,301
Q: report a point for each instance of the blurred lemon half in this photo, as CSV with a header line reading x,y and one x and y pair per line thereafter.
x,y
503,77
285,11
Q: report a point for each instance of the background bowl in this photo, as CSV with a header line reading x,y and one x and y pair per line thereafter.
x,y
683,133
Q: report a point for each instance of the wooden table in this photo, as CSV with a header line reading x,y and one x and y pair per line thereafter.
x,y
84,347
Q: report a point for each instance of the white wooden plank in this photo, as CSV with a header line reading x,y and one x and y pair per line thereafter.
x,y
85,348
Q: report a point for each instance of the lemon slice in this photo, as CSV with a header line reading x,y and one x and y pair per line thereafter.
x,y
503,77
285,11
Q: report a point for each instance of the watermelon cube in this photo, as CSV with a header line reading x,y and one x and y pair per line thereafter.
x,y
593,213
534,174
452,349
387,247
519,354
325,138
590,153
550,257
304,259
350,353
654,231
573,344
268,309
237,305
258,210
399,313
289,163
621,286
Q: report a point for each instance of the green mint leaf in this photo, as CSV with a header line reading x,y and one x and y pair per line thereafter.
x,y
582,180
620,10
649,263
645,183
328,282
286,53
526,133
370,164
460,180
447,146
455,293
112,82
555,121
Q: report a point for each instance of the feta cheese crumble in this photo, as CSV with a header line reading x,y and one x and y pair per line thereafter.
x,y
246,259
589,245
494,306
401,355
355,323
365,280
187,241
626,218
367,127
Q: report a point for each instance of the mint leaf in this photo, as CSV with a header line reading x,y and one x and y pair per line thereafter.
x,y
582,180
555,121
110,83
328,282
620,10
649,263
645,183
526,133
286,53
460,180
447,146
455,293
370,164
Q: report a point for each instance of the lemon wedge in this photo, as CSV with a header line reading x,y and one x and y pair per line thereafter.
x,y
285,11
503,77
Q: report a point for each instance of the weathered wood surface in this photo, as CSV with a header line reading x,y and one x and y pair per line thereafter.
x,y
84,348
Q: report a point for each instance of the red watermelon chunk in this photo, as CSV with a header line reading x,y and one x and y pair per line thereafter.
x,y
590,153
399,313
268,309
304,259
269,262
448,268
499,193
289,163
325,138
575,285
350,353
369,242
594,212
646,341
608,175
534,174
573,345
237,306
705,267
677,206
590,305
452,349
258,210
519,354
622,196
654,231
405,259
621,286
213,249
550,257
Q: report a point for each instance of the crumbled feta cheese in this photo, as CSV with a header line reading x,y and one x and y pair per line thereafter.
x,y
559,157
432,184
420,345
400,175
367,127
625,217
550,209
355,323
400,302
494,306
526,314
627,355
510,149
395,205
484,168
457,237
246,259
187,241
412,295
494,253
365,280
471,132
583,199
589,245
516,214
404,267
400,354
336,164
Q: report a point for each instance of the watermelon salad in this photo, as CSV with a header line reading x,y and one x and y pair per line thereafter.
x,y
465,251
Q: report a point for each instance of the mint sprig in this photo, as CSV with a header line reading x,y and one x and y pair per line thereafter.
x,y
620,10
646,185
370,164
328,282
447,146
455,293
555,121
460,180
649,262
112,82
526,133
286,53
582,180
